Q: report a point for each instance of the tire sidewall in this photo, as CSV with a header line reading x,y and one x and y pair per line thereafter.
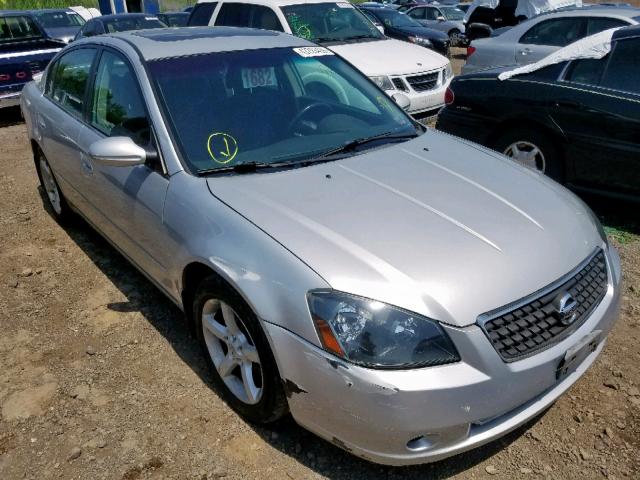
x,y
273,404
65,210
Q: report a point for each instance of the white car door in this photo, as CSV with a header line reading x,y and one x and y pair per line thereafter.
x,y
547,36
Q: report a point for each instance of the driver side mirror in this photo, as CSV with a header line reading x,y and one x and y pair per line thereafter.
x,y
117,152
401,100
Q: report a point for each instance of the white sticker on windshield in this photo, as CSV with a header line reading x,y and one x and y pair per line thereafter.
x,y
312,51
344,5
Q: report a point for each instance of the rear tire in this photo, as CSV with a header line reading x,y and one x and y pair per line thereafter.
x,y
534,149
238,352
55,200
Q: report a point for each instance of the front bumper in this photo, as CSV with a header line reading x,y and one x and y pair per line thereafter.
x,y
421,101
423,415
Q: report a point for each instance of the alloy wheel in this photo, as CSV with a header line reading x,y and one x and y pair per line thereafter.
x,y
527,154
50,186
232,351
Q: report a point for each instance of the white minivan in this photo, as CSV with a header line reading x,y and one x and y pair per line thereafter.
x,y
397,67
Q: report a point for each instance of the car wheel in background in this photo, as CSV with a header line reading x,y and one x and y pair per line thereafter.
x,y
55,199
237,350
532,149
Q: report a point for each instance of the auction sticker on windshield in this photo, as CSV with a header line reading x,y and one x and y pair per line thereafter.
x,y
344,5
259,77
312,51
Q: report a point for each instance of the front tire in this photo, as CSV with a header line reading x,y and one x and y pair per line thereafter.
x,y
55,199
533,149
238,353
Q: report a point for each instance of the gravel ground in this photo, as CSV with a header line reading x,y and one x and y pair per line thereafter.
x,y
100,378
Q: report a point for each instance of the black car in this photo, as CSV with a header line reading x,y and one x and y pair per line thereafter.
x,y
402,27
59,24
24,52
119,22
577,121
174,19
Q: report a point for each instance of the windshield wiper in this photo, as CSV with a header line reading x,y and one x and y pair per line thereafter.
x,y
353,144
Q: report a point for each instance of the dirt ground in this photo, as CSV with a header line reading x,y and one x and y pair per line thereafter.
x,y
101,379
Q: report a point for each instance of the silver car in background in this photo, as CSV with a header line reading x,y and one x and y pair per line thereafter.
x,y
534,39
446,18
405,295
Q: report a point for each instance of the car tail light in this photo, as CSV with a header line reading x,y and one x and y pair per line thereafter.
x,y
21,75
470,51
4,77
449,97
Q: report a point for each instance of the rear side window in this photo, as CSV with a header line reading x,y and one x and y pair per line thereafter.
x,y
587,71
417,13
118,107
247,15
623,70
17,28
557,32
598,24
201,14
69,79
432,13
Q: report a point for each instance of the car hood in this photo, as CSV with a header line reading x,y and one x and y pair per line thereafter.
x,y
435,225
389,57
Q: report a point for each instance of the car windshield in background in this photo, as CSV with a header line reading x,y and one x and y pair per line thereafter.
x,y
274,106
60,19
137,23
452,13
329,22
175,20
17,28
394,19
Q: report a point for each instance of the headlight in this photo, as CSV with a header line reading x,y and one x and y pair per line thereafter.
x,y
374,334
425,42
383,82
448,73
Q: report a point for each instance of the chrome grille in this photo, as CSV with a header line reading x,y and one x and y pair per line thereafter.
x,y
421,83
536,324
399,84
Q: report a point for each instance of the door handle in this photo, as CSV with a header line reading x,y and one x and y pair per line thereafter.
x,y
525,51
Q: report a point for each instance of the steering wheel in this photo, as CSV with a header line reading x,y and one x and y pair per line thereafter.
x,y
305,111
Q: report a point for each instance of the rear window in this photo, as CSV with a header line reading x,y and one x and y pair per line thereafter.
x,y
17,28
61,19
124,24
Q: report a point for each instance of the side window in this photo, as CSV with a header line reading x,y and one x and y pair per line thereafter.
x,y
598,24
18,28
417,13
69,79
201,14
587,71
557,32
234,15
623,70
431,13
118,107
265,18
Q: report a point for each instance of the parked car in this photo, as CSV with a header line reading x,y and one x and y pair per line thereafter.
x,y
174,19
577,121
24,52
120,22
446,18
395,66
59,24
530,41
334,256
402,27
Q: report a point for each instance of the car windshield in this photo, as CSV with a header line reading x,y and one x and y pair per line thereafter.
x,y
329,22
272,106
175,19
60,19
395,19
125,23
452,13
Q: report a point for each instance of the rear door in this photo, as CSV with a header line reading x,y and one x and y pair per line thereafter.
x,y
598,107
59,118
548,36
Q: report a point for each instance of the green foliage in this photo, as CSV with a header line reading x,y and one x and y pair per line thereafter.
x,y
36,4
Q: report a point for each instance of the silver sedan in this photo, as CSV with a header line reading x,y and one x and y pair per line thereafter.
x,y
403,294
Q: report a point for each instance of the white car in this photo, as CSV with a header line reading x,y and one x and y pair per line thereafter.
x,y
396,67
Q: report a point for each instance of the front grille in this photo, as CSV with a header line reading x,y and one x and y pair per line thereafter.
x,y
427,81
399,84
535,324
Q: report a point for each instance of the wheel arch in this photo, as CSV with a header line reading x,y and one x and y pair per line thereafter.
x,y
508,124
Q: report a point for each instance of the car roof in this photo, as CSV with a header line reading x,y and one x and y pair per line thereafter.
x,y
631,31
159,43
278,3
589,11
117,16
